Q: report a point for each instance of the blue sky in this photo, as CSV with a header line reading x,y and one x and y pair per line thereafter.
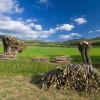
x,y
50,20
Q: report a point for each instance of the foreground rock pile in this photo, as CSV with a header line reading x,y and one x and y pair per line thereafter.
x,y
74,76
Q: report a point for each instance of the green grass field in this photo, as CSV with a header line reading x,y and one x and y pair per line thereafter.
x,y
24,65
15,76
53,51
57,51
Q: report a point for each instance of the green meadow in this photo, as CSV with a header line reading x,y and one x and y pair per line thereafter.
x,y
32,51
24,66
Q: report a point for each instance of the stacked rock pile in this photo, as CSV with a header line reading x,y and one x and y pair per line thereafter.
x,y
14,43
12,46
61,59
40,59
58,59
74,76
7,57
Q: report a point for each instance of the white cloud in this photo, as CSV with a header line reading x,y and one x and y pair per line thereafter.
x,y
31,25
98,30
75,34
38,27
49,32
80,20
28,21
9,6
18,28
90,32
69,36
44,36
18,9
44,2
65,27
25,29
31,20
28,29
65,37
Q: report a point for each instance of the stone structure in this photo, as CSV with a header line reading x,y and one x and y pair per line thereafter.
x,y
61,60
41,59
84,48
12,46
57,60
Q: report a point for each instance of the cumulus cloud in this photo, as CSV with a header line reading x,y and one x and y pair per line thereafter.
x,y
80,20
38,27
66,27
90,31
65,37
30,20
44,36
75,34
98,30
28,29
69,36
19,28
44,1
9,6
48,32
25,29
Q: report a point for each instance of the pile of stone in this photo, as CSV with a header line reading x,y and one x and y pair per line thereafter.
x,y
61,59
82,78
57,60
40,59
12,46
7,57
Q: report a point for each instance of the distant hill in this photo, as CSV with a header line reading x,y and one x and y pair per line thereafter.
x,y
95,41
